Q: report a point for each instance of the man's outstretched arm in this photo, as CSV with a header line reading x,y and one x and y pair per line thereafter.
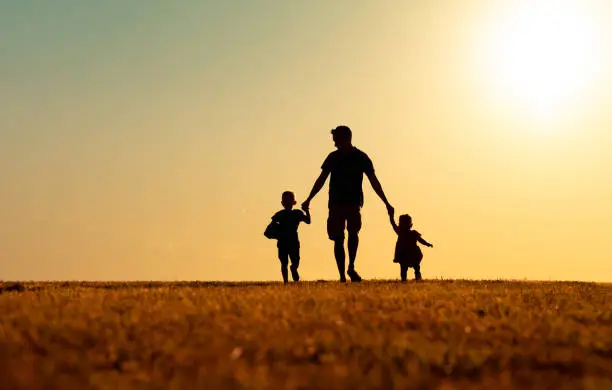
x,y
379,191
318,184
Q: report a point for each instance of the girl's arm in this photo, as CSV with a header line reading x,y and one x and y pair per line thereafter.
x,y
395,227
422,241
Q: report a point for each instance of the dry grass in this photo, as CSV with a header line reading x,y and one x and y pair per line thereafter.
x,y
436,334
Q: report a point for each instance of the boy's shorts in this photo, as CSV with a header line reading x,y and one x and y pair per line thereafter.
x,y
343,216
289,250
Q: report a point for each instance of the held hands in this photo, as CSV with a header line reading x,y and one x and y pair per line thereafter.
x,y
306,205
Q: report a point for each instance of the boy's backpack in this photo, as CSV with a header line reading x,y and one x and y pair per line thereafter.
x,y
272,230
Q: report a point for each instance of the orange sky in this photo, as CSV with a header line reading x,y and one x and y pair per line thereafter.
x,y
153,142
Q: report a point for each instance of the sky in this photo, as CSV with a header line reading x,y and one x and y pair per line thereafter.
x,y
151,140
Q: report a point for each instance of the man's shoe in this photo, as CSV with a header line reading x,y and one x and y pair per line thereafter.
x,y
342,279
354,275
295,275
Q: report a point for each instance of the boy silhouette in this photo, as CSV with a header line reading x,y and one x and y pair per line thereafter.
x,y
288,242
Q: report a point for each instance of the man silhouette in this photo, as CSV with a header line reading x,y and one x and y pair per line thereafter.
x,y
346,166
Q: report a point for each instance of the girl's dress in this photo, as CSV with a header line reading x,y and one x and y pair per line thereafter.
x,y
406,249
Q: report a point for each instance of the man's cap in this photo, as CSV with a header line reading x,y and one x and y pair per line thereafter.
x,y
341,130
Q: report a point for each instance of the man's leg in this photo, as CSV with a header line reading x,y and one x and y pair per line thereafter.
x,y
353,225
335,232
340,257
353,244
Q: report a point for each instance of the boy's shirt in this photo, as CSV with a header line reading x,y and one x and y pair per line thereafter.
x,y
288,222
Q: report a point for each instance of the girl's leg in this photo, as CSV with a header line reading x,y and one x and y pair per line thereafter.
x,y
417,272
403,271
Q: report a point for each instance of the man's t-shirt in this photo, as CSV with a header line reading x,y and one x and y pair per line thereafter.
x,y
288,221
347,169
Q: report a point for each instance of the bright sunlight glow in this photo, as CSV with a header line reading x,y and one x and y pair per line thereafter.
x,y
544,54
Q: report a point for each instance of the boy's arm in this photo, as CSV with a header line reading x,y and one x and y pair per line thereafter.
x,y
422,241
306,216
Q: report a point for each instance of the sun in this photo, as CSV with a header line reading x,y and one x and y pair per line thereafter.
x,y
543,54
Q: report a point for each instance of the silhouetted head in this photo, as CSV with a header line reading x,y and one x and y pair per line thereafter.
x,y
405,221
342,136
288,200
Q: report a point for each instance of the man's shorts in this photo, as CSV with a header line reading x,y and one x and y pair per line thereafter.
x,y
343,216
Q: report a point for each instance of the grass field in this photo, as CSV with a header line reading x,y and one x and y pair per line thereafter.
x,y
435,334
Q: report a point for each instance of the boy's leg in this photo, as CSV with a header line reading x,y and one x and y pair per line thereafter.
x,y
417,272
403,271
295,262
283,256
